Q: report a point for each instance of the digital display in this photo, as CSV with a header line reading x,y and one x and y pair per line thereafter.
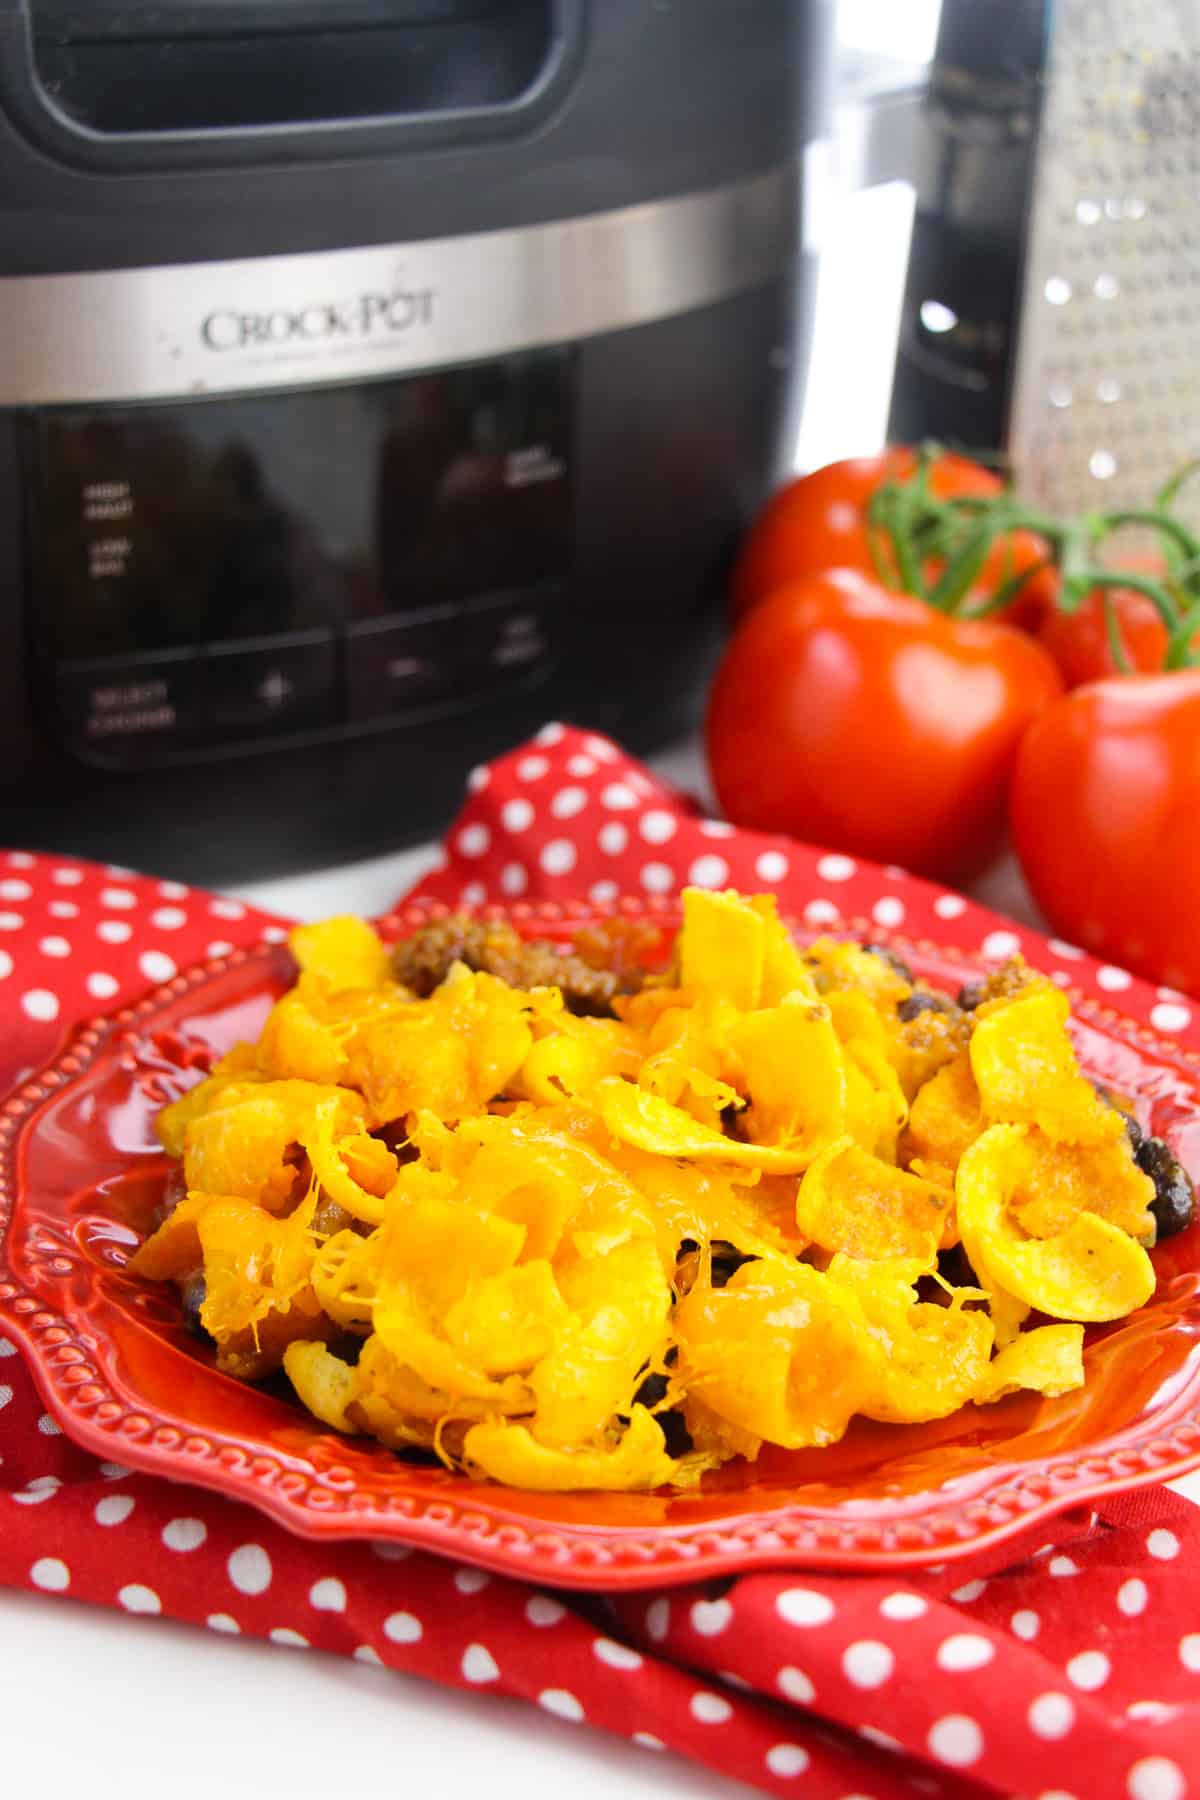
x,y
354,545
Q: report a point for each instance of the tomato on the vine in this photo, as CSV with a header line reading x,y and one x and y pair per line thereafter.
x,y
819,521
1106,821
865,720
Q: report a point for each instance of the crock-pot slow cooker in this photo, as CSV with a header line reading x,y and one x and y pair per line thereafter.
x,y
378,378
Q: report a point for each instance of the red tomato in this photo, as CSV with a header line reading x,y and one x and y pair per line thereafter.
x,y
859,718
818,522
1078,641
1106,821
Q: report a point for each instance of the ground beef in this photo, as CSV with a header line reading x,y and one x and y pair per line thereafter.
x,y
423,961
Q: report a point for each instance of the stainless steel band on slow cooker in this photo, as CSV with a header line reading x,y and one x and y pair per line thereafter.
x,y
339,315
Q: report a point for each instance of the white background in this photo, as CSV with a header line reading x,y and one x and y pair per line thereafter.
x,y
104,1705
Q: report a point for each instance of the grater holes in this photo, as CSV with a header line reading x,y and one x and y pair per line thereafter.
x,y
1102,464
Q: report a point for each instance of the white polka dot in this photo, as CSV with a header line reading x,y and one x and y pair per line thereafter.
x,y
402,1628
283,1634
715,828
11,921
970,1590
657,878
114,931
868,1663
1132,1596
580,766
514,878
328,1594
787,1759
949,906
709,872
184,1534
1155,1778
617,1656
821,912
391,1552
618,797
473,840
67,877
20,859
49,1427
796,1685
6,1395
15,890
903,1606
803,1606
218,947
837,868
603,892
711,1617
222,1622
1168,1015
227,909
173,890
1189,1652
250,1569
558,857
1069,952
956,1740
1114,981
54,946
601,748
168,918
478,779
138,1599
515,815
532,768
118,899
1163,1544
1063,1565
1089,1670
156,965
474,894
7,1348
479,1665
964,1650
567,802
710,1709
542,1611
114,1509
1051,1715
999,944
366,1654
1025,1624
889,911
657,826
658,1619
6,965
101,986
552,733
772,865
612,838
50,1573
883,1739
1154,1712
562,1704
471,1581
114,1471
40,1004
39,1490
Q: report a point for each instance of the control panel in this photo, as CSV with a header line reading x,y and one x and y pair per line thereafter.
x,y
219,572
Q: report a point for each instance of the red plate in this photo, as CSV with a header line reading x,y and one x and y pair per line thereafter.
x,y
80,1172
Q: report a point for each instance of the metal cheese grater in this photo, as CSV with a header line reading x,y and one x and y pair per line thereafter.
x,y
1105,394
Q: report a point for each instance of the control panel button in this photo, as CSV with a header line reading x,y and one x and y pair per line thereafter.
x,y
123,710
393,665
507,636
270,686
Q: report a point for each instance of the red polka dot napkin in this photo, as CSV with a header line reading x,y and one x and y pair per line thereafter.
x,y
1051,1669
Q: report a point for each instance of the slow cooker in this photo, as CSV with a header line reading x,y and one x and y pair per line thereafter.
x,y
380,378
